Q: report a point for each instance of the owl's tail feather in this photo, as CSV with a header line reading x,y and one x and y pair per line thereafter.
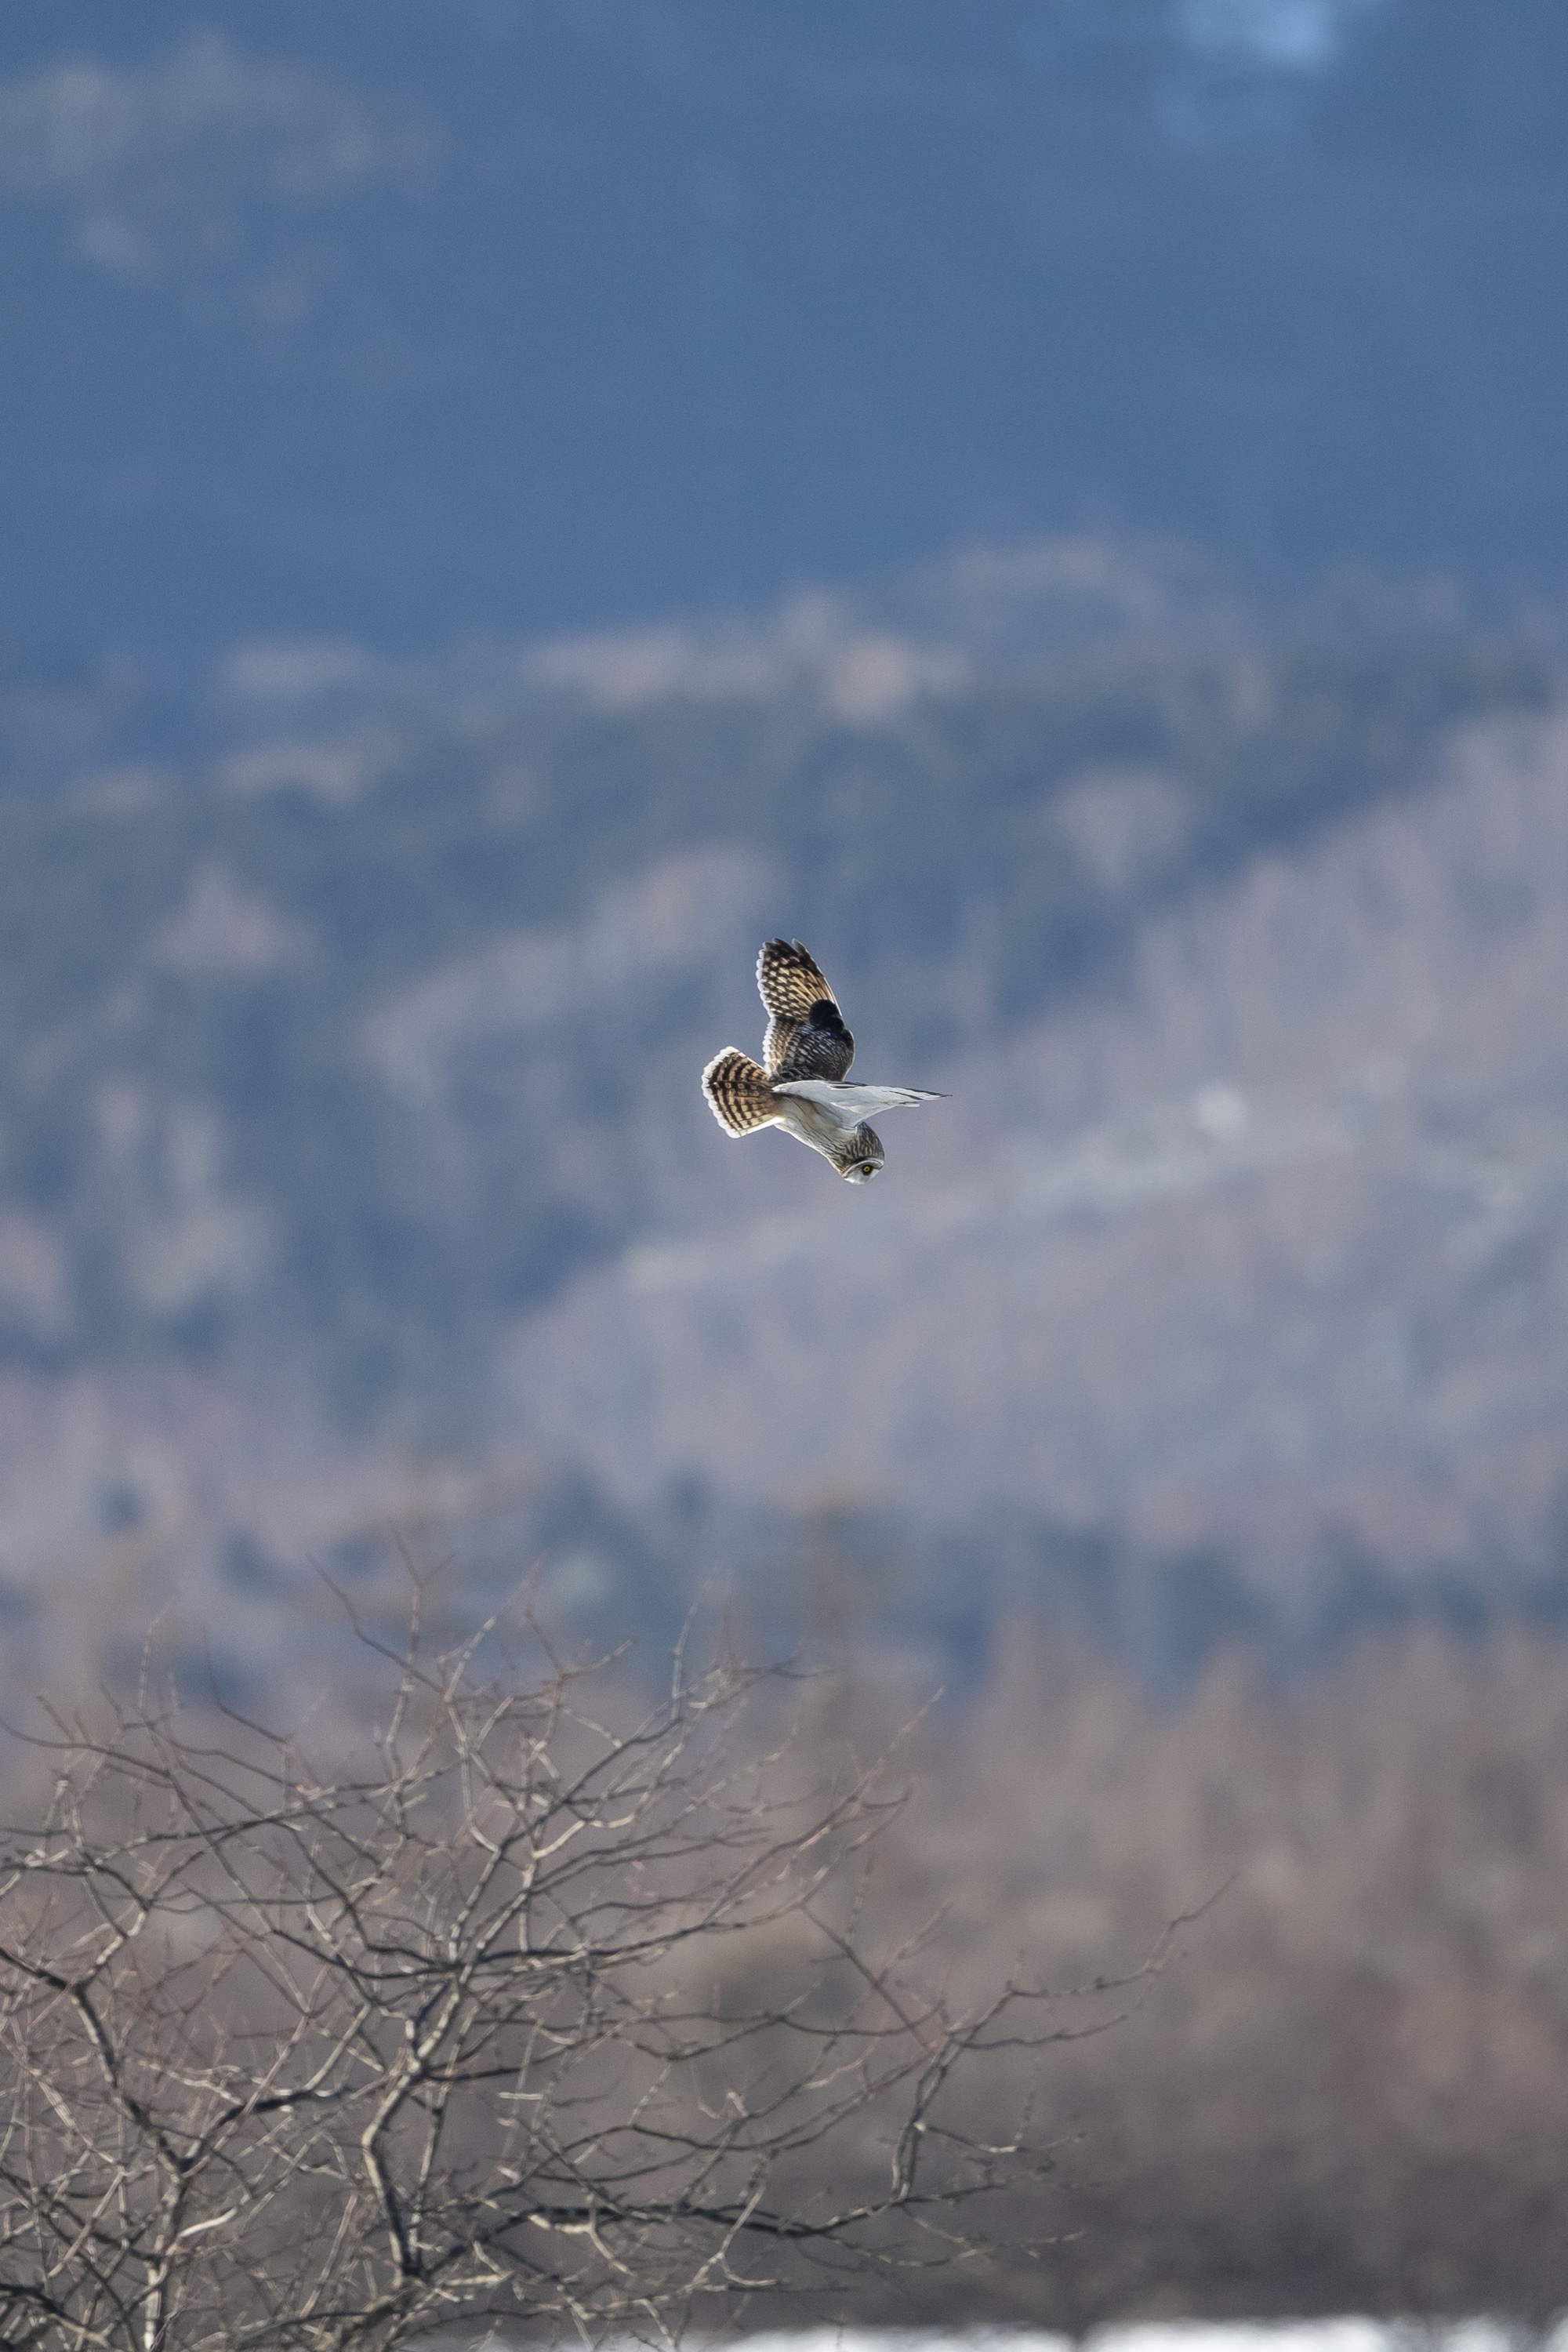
x,y
739,1092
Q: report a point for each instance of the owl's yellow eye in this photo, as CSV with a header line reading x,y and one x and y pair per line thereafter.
x,y
868,1168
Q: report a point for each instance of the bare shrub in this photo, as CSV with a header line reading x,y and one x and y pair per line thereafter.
x,y
514,2010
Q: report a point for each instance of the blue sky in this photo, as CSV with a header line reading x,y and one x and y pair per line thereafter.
x,y
1295,35
407,322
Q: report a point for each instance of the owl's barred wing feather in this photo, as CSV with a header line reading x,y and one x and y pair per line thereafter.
x,y
790,981
807,1036
738,1092
819,1048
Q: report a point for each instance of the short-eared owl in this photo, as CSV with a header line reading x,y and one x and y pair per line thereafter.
x,y
803,1087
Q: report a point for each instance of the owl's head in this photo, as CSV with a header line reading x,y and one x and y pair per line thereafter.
x,y
862,1157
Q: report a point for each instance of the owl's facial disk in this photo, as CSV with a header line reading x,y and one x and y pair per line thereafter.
x,y
862,1156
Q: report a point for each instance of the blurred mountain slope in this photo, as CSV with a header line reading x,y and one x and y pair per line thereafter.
x,y
1260,1246
355,1171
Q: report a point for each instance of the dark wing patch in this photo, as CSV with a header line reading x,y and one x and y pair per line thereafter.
x,y
738,1092
817,1047
807,1036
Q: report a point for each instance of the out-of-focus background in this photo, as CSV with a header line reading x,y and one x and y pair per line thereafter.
x,y
1063,505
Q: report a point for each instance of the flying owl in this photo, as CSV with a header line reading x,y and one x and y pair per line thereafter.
x,y
802,1087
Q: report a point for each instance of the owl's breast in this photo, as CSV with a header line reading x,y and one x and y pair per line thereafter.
x,y
814,1123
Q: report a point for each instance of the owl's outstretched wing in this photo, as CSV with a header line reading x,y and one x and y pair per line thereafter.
x,y
857,1098
807,1036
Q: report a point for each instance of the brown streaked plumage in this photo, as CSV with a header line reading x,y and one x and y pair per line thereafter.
x,y
739,1092
804,1087
807,1036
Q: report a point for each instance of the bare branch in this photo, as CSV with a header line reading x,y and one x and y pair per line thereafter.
x,y
528,2008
